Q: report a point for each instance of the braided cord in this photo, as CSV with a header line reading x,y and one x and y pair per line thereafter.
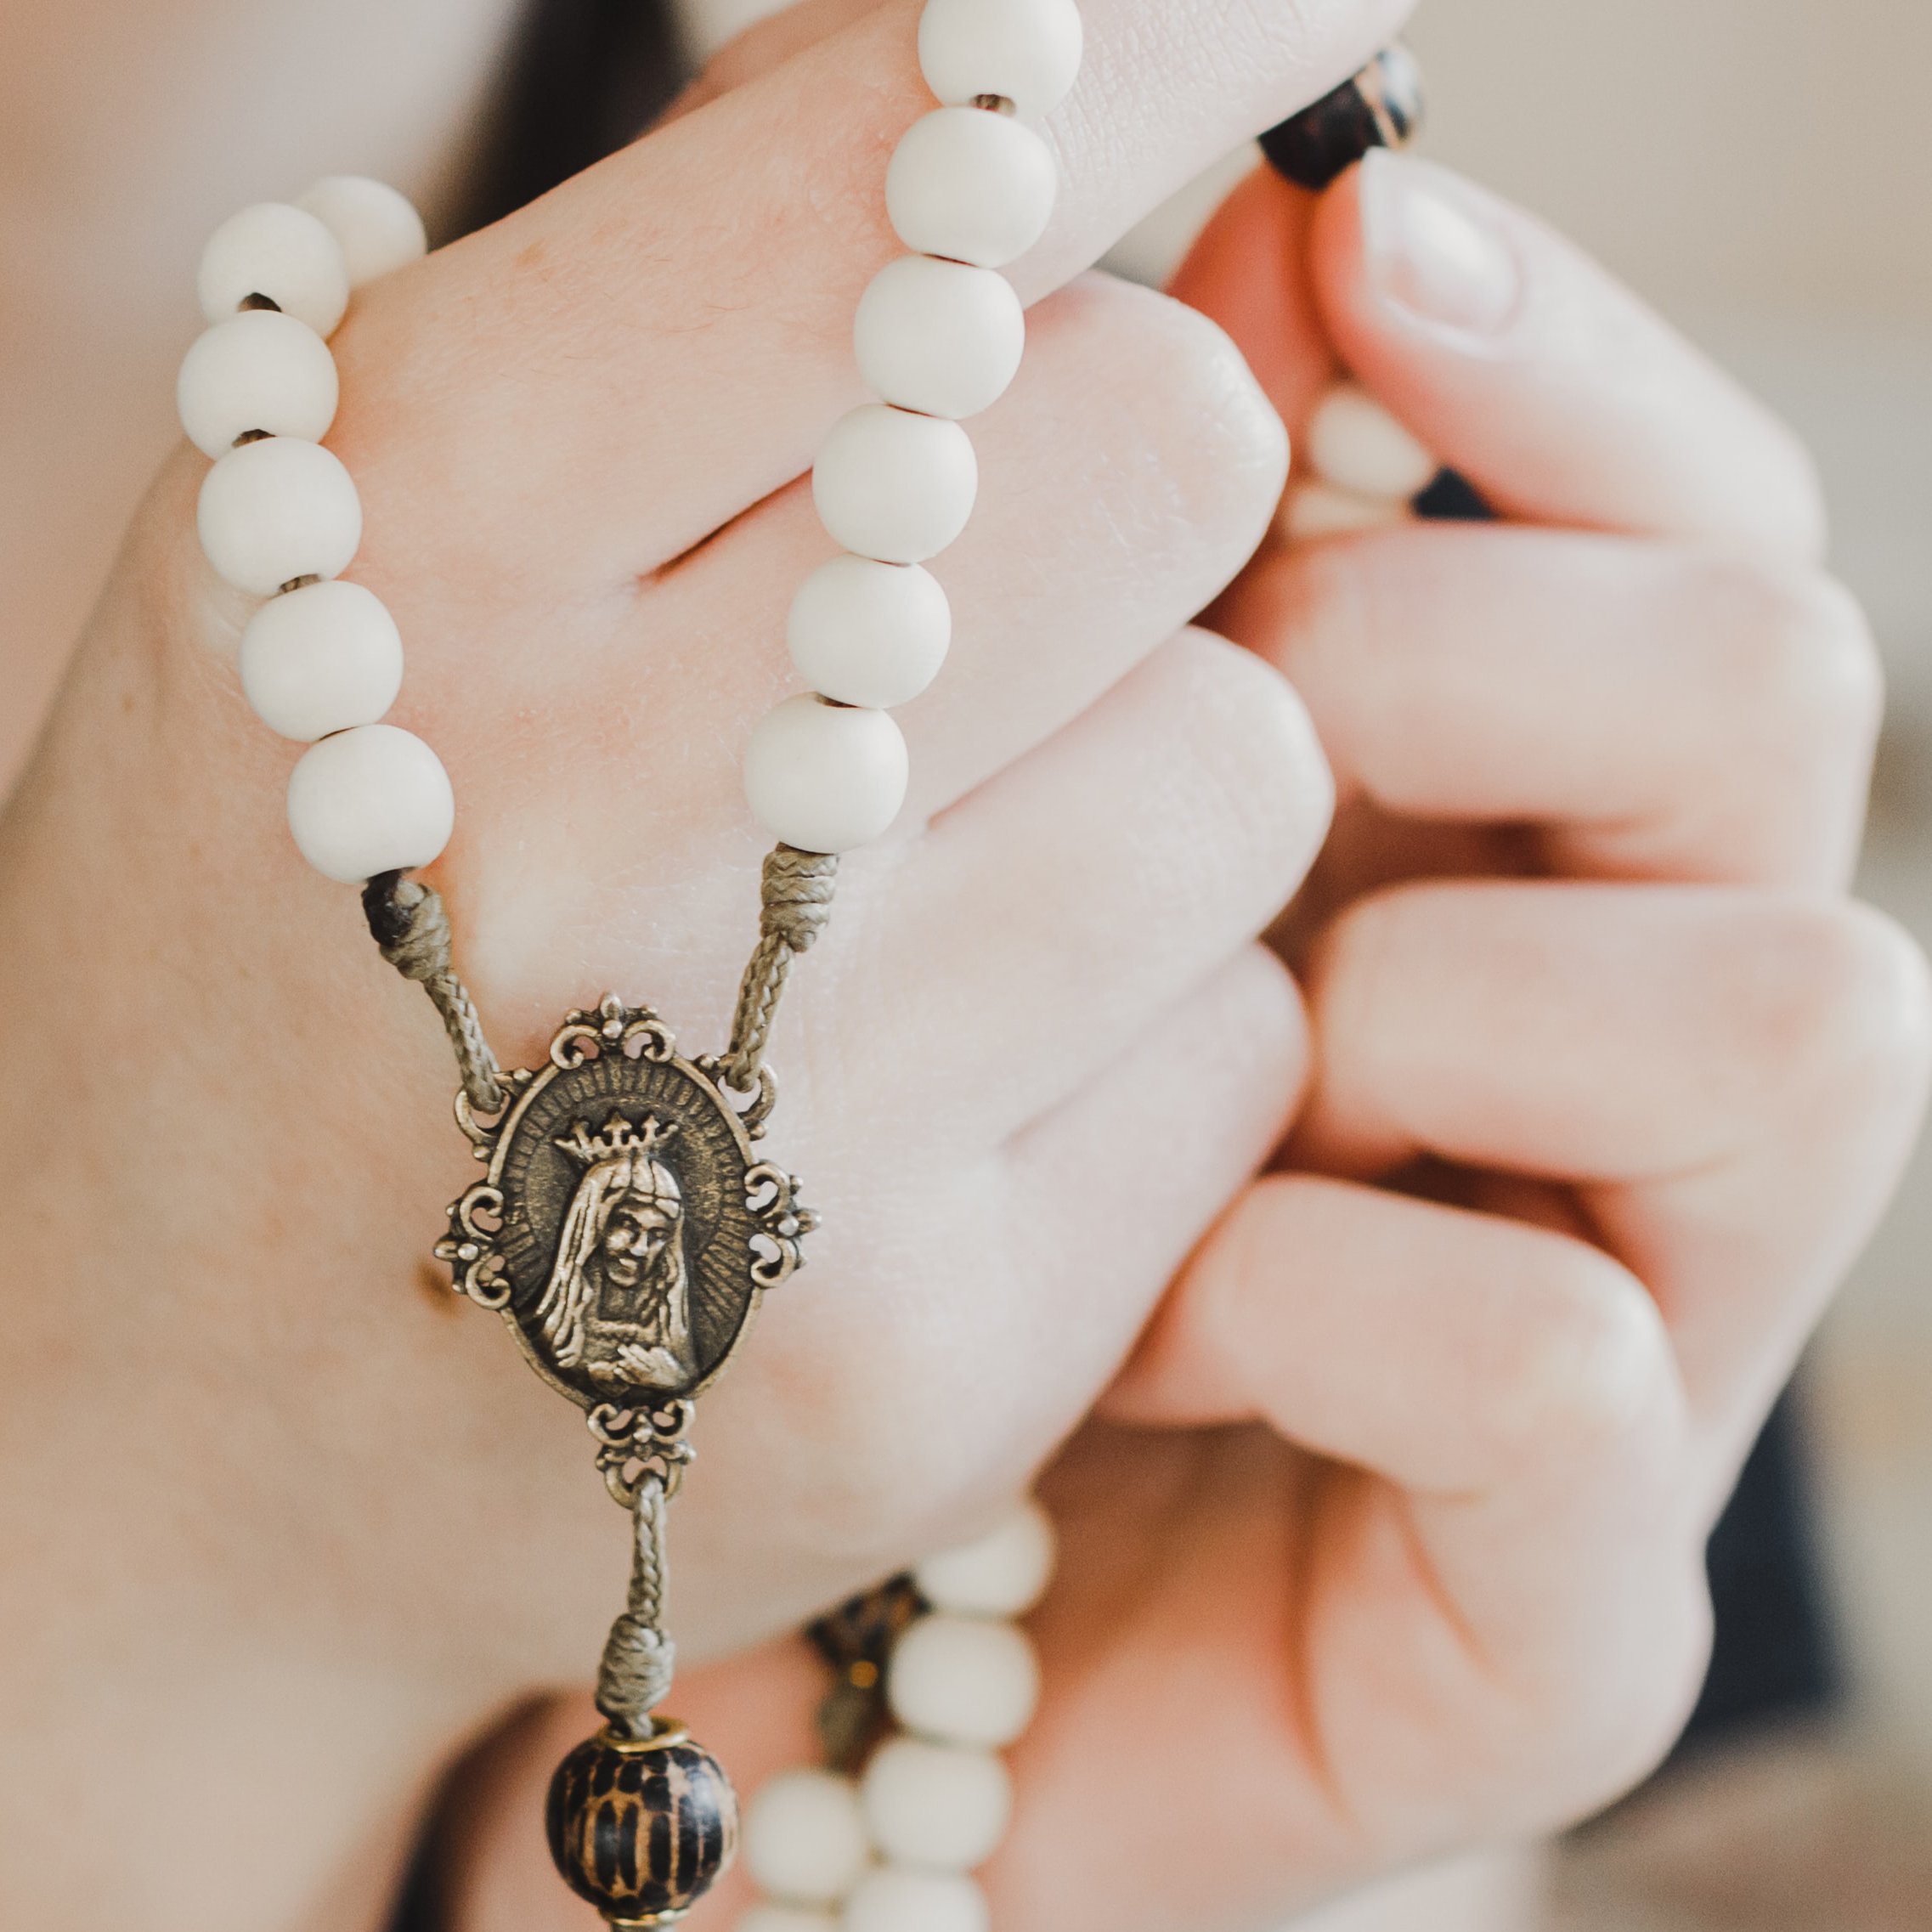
x,y
410,922
638,1656
795,907
410,925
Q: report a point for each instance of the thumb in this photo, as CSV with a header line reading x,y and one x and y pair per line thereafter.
x,y
1538,376
1516,359
1250,270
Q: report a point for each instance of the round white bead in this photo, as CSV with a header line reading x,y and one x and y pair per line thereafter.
x,y
825,777
786,1918
1312,510
1024,51
258,370
938,1806
283,252
1003,1574
378,228
321,659
1355,444
970,185
869,634
963,1681
275,510
372,800
895,1899
894,486
805,1837
938,336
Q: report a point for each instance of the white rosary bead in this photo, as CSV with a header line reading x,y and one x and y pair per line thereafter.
x,y
1311,511
258,370
939,336
825,777
279,252
963,1681
895,1899
372,800
938,1806
805,1837
786,1918
1003,1574
1355,444
378,228
869,634
971,185
321,659
1022,51
278,510
894,486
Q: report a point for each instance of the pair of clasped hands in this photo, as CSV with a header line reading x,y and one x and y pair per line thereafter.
x,y
1384,1323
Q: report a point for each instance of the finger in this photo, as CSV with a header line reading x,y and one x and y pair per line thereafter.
x,y
973,1394
1513,1396
682,311
1121,863
1525,366
1444,1350
1659,710
1137,469
1236,1052
764,45
1731,1078
1129,476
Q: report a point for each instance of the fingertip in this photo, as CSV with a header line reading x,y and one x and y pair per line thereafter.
x,y
1248,269
1535,373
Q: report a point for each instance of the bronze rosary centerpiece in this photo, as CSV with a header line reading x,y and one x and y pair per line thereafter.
x,y
626,1229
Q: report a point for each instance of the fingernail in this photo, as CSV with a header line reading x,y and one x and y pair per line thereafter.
x,y
1433,253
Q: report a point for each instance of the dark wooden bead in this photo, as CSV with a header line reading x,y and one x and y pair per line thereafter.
x,y
641,1829
856,1639
1453,499
1382,107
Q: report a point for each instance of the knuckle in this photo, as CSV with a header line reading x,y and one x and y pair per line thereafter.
x,y
1845,1002
1593,1367
1220,451
1261,784
1803,660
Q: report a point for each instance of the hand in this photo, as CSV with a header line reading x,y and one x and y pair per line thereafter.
x,y
288,1522
1395,1534
1390,1540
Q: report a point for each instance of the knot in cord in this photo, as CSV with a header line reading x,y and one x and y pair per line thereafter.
x,y
638,1656
410,925
799,887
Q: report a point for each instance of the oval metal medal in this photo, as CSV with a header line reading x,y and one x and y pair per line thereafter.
x,y
626,1229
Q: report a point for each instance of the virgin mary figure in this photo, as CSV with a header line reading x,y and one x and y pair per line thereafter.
x,y
618,1303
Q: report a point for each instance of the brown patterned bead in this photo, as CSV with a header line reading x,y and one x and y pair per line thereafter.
x,y
641,1829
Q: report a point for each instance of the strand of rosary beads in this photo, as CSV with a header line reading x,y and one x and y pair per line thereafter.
x,y
938,336
885,1836
321,661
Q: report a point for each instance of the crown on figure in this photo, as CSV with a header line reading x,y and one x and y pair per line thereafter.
x,y
617,1140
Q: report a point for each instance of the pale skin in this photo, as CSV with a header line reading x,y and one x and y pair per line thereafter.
x,y
1383,1479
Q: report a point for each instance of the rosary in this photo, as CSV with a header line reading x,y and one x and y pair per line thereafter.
x,y
626,1227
